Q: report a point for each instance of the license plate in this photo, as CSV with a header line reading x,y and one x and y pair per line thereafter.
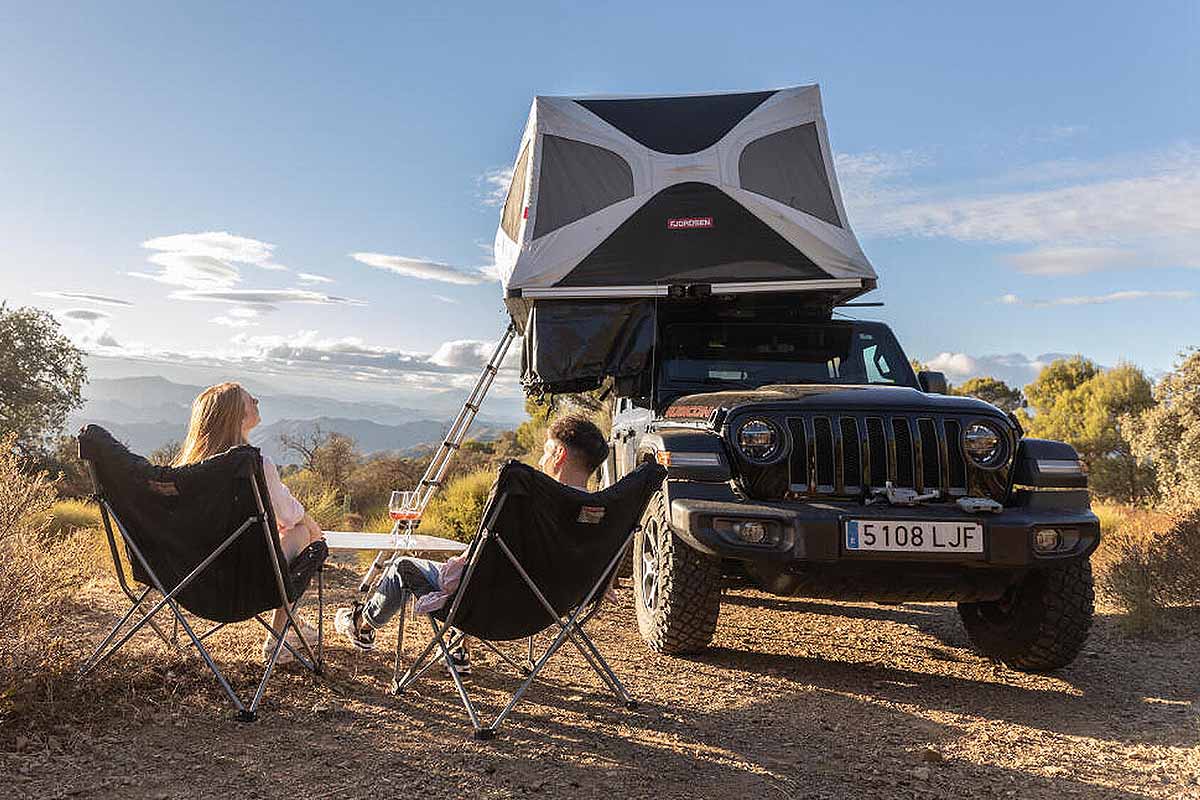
x,y
908,536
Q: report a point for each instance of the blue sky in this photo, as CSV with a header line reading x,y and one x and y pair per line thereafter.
x,y
1025,178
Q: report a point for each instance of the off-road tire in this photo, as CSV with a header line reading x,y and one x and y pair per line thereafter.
x,y
687,600
1041,623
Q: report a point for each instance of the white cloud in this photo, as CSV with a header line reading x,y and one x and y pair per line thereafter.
x,y
88,328
265,298
1121,213
444,299
233,322
495,183
1100,299
422,268
220,245
310,277
87,297
84,314
242,311
1015,369
191,270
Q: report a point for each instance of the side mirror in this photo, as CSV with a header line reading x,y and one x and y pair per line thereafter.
x,y
933,382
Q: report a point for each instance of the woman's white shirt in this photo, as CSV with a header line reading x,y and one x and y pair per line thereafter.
x,y
288,510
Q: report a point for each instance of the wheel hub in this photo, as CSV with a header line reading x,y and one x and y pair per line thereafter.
x,y
649,580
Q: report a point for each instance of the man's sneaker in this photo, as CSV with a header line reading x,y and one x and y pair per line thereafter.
x,y
350,624
461,660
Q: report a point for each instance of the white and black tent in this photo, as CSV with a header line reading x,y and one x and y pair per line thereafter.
x,y
618,200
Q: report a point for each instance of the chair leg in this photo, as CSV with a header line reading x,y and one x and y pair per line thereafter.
x,y
458,684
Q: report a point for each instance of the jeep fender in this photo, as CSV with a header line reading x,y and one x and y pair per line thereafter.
x,y
689,454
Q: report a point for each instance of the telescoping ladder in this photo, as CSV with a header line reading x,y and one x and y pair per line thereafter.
x,y
435,473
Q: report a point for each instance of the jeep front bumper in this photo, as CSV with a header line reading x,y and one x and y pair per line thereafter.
x,y
813,532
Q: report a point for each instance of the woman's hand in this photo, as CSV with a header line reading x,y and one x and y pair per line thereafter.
x,y
314,530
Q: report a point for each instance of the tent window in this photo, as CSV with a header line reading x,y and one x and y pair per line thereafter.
x,y
787,166
514,204
577,179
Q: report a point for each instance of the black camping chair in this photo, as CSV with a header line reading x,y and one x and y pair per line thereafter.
x,y
542,558
205,540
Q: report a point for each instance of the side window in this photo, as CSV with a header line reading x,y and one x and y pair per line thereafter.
x,y
787,166
577,179
514,204
878,370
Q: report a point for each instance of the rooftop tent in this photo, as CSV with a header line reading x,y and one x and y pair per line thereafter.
x,y
642,197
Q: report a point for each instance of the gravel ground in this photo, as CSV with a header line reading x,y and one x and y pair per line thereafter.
x,y
797,698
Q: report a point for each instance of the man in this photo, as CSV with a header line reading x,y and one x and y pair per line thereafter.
x,y
574,449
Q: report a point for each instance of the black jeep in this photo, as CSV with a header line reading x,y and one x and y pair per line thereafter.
x,y
805,453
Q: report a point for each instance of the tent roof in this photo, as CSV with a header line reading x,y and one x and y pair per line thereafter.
x,y
631,196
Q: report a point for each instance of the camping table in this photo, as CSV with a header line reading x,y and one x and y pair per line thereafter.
x,y
398,544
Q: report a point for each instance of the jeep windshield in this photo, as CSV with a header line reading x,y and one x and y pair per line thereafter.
x,y
748,355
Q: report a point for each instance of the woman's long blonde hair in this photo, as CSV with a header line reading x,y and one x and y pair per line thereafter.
x,y
216,424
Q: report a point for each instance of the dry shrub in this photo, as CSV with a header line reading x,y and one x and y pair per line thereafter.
x,y
38,573
1148,561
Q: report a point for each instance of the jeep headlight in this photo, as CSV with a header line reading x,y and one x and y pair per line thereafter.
x,y
759,440
985,445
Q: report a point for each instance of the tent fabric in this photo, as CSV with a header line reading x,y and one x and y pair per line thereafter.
x,y
573,345
178,516
564,539
765,153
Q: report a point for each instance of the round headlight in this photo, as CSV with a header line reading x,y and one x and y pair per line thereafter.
x,y
758,440
985,445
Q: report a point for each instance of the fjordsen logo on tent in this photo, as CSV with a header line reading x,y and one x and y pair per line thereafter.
x,y
689,223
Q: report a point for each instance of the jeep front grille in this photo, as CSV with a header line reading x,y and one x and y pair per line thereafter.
x,y
847,455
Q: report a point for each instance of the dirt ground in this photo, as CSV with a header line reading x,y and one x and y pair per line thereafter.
x,y
797,698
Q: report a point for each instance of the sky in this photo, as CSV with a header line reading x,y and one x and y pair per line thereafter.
x,y
308,194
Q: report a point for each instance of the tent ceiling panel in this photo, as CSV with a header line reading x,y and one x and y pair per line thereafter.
x,y
677,125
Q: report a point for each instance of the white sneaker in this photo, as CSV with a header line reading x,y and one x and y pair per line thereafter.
x,y
292,640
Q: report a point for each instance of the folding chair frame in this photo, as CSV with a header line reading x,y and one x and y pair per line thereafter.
x,y
311,659
570,628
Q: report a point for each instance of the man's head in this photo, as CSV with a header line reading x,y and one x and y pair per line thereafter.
x,y
574,448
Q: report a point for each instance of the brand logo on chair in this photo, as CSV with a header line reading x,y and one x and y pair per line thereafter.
x,y
592,515
688,223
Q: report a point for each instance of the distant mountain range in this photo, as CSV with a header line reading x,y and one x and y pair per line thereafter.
x,y
148,412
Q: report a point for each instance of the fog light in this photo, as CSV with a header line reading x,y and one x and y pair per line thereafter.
x,y
1047,540
751,531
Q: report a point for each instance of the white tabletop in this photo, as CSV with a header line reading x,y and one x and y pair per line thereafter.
x,y
417,543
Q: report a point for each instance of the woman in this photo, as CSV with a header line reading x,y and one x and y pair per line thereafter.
x,y
222,417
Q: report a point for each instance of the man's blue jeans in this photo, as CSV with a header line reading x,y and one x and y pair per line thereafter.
x,y
407,576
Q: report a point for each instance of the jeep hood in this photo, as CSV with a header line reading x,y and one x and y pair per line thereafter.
x,y
697,407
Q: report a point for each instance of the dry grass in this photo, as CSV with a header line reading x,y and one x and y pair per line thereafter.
x,y
37,575
67,516
1147,561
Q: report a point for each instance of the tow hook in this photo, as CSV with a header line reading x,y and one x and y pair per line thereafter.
x,y
900,496
976,505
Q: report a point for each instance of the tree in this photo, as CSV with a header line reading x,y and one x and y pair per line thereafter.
x,y
1093,414
991,390
1166,436
304,444
165,455
41,378
1057,379
334,460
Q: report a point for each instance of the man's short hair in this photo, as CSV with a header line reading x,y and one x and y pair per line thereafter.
x,y
582,439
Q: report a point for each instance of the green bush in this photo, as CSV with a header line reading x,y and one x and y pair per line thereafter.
x,y
455,512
